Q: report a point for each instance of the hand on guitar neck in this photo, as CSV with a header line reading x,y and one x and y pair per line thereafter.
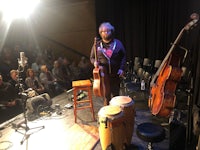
x,y
96,64
8,103
12,103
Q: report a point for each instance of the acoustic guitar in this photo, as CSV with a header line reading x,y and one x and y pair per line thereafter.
x,y
98,88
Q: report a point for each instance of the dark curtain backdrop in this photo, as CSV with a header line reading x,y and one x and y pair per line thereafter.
x,y
148,27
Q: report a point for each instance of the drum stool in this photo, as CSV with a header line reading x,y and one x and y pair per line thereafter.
x,y
84,85
151,133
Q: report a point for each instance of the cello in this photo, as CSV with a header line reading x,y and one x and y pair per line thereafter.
x,y
163,85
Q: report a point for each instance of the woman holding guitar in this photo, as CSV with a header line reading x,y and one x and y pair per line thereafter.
x,y
109,57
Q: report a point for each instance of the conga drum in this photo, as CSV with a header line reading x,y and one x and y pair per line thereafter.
x,y
111,128
127,105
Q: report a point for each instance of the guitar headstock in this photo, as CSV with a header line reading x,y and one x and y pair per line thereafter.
x,y
95,39
193,22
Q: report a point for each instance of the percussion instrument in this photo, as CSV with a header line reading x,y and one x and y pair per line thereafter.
x,y
127,106
111,128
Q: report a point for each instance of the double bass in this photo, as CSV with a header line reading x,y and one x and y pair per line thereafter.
x,y
163,84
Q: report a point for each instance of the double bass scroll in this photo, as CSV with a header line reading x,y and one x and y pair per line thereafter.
x,y
163,85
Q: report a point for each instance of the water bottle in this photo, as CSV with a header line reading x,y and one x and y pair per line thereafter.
x,y
142,85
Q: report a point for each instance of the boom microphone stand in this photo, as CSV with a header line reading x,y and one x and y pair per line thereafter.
x,y
22,93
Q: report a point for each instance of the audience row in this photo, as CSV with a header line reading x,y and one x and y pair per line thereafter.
x,y
42,73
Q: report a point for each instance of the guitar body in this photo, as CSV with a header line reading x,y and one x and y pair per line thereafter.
x,y
97,84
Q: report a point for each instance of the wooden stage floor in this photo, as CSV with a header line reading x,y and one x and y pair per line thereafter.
x,y
60,132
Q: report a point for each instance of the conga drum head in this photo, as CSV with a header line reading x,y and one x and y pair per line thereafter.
x,y
121,101
110,111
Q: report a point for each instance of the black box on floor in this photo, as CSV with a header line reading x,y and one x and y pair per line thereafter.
x,y
177,136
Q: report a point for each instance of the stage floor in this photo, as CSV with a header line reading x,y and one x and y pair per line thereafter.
x,y
59,127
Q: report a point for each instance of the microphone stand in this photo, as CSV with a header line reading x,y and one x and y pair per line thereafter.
x,y
24,96
190,107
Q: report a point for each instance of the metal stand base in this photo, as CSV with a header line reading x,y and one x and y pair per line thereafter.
x,y
27,129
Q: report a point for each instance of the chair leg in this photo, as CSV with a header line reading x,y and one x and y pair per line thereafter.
x,y
75,105
150,146
91,103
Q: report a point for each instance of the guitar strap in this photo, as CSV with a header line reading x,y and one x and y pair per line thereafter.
x,y
108,53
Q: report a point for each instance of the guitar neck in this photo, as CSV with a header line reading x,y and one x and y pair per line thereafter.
x,y
95,48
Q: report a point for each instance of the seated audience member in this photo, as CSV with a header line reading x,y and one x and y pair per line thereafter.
x,y
75,70
7,62
58,73
85,68
17,82
18,92
36,66
9,102
33,82
20,86
67,70
49,81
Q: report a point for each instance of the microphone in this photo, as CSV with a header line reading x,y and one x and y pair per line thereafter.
x,y
22,60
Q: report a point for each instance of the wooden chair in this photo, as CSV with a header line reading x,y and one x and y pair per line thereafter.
x,y
84,85
156,65
137,63
147,65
